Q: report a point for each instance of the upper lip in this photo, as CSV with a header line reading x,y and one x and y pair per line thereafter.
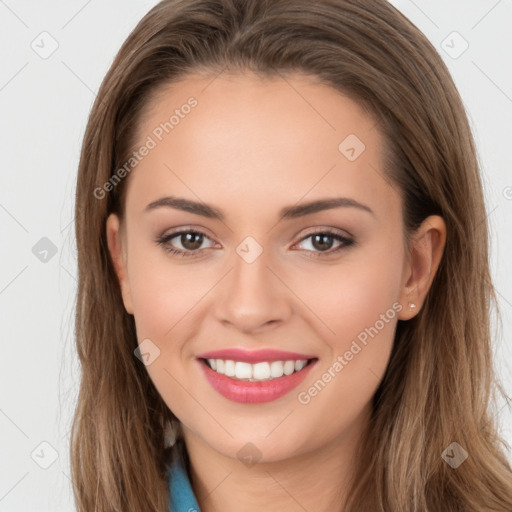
x,y
254,356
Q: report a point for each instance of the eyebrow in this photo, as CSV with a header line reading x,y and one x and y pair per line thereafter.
x,y
288,212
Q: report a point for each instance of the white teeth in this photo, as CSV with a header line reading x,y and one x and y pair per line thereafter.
x,y
262,371
276,369
229,368
258,371
289,367
299,365
243,370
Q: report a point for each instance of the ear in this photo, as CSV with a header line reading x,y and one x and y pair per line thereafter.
x,y
117,249
425,252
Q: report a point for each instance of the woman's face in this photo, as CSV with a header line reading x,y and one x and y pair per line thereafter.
x,y
250,165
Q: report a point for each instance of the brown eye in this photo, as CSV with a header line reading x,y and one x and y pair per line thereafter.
x,y
321,243
191,241
184,243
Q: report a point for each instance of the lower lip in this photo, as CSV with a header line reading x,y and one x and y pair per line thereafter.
x,y
254,392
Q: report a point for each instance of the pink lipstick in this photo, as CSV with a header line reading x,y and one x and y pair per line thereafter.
x,y
255,376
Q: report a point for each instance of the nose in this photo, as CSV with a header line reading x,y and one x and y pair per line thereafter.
x,y
253,298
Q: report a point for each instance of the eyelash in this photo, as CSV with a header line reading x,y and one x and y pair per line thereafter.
x,y
164,241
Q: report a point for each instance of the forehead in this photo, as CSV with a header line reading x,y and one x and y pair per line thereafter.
x,y
237,135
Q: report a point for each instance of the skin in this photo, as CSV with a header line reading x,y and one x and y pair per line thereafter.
x,y
249,148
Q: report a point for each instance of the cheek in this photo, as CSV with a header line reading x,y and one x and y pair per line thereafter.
x,y
358,301
166,298
163,292
362,310
351,296
369,292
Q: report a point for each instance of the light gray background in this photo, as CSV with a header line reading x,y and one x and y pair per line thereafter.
x,y
44,104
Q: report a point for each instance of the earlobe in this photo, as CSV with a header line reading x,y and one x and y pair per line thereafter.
x,y
118,256
426,251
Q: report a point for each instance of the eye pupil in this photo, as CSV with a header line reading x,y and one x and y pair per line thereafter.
x,y
319,241
191,241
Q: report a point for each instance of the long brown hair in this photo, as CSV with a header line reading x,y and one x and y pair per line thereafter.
x,y
440,383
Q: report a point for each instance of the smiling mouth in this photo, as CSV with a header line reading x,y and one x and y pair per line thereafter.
x,y
257,372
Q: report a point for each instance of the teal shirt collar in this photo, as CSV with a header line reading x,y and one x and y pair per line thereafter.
x,y
182,496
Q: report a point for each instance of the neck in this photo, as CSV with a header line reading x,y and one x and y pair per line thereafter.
x,y
311,480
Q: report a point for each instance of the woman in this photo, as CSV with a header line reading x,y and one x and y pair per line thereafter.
x,y
284,291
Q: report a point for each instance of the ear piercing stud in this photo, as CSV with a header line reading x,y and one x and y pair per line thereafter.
x,y
412,305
